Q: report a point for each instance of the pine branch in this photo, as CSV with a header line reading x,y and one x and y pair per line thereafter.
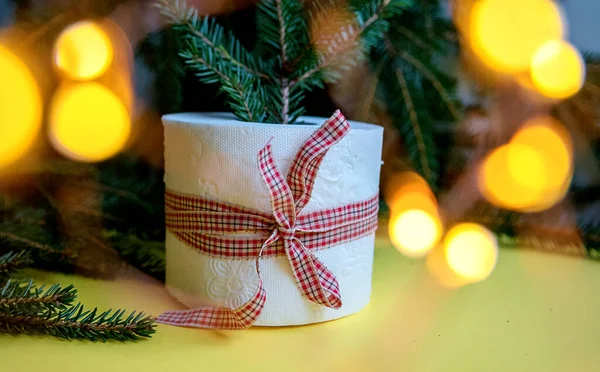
x,y
77,323
13,261
24,298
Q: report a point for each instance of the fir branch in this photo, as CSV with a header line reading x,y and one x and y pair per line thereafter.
x,y
45,248
410,35
77,323
434,80
23,298
217,56
423,159
211,34
368,31
282,33
35,246
283,36
243,90
13,261
146,255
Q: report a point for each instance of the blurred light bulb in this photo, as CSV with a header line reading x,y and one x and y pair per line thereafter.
x,y
415,232
557,70
88,122
505,34
471,251
20,108
83,51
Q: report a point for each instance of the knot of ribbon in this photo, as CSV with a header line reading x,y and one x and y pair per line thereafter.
x,y
228,231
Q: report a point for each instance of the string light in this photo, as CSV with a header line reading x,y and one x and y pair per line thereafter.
x,y
20,108
83,51
557,70
471,251
505,34
88,122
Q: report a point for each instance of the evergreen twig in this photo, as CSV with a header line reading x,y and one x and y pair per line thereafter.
x,y
27,309
271,87
77,323
22,297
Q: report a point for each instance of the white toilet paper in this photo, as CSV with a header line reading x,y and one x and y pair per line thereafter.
x,y
215,156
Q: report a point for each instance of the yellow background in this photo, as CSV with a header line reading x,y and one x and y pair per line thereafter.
x,y
536,312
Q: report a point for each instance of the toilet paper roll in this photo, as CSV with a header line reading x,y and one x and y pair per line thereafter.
x,y
215,156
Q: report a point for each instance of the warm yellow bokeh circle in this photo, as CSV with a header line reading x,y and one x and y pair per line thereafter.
x,y
471,251
20,108
557,70
88,122
83,51
415,232
505,34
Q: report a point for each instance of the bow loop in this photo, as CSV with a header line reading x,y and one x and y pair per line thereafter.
x,y
282,200
304,169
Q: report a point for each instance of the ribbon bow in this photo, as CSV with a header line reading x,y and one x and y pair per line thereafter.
x,y
213,227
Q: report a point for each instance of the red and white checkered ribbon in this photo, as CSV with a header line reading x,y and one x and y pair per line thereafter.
x,y
229,231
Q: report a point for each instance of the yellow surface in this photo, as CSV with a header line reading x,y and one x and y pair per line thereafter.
x,y
536,312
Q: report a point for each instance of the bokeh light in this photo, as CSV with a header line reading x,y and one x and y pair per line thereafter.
x,y
500,187
505,34
471,251
415,232
88,122
553,143
83,51
531,173
20,108
557,70
407,190
415,227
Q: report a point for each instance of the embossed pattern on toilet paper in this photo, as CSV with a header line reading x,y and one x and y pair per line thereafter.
x,y
227,170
